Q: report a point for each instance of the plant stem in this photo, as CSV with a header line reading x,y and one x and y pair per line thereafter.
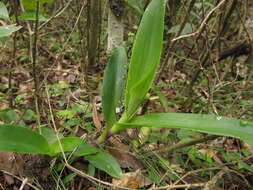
x,y
103,136
117,128
35,66
185,144
110,131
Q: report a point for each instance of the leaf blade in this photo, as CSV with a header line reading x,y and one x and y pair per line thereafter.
x,y
145,55
18,139
113,84
8,30
31,16
79,146
105,162
3,11
198,122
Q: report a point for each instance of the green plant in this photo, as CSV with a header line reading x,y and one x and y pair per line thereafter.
x,y
19,139
6,30
144,62
143,65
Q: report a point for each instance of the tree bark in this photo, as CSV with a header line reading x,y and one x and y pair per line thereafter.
x,y
115,24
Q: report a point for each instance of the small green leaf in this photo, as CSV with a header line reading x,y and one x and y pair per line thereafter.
x,y
203,123
30,115
10,116
146,55
113,84
243,165
31,5
76,144
137,5
105,162
31,16
3,11
68,178
22,140
91,170
72,122
8,30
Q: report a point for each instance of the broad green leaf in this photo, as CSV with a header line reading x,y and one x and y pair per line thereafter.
x,y
3,11
113,84
31,16
79,146
137,5
67,143
105,162
203,123
18,139
146,55
8,30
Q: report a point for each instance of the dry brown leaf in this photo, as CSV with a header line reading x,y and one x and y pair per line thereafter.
x,y
97,118
11,162
212,154
77,94
9,179
125,159
91,188
4,105
132,180
248,147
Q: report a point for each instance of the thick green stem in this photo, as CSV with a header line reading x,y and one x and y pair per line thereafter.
x,y
112,130
117,128
103,136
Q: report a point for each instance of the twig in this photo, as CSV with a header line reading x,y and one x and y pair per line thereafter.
x,y
194,172
185,144
204,57
202,25
30,32
186,186
18,178
64,45
93,179
24,182
56,15
13,62
213,181
2,186
54,125
171,45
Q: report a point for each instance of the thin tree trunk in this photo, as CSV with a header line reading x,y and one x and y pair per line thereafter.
x,y
93,31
